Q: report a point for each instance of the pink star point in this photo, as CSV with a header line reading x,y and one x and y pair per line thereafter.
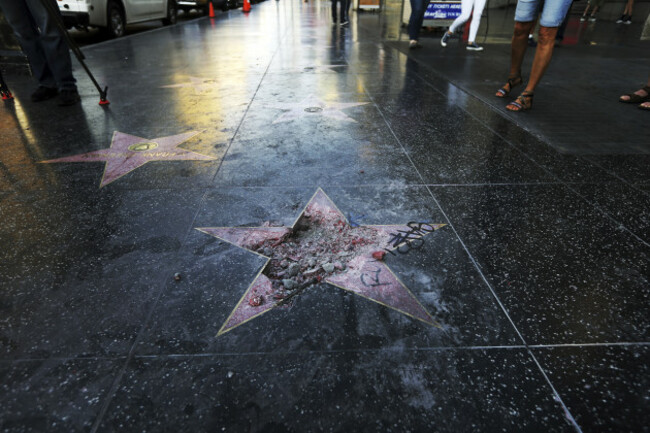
x,y
128,152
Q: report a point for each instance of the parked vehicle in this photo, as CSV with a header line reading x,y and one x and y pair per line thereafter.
x,y
112,16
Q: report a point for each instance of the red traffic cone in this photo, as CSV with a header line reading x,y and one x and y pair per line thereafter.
x,y
212,15
247,6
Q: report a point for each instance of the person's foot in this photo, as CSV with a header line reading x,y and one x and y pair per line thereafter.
x,y
68,97
345,23
583,18
414,44
445,38
640,95
592,19
621,19
473,46
44,93
628,20
645,106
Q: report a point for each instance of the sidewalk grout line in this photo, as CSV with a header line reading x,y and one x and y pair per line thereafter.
x,y
131,355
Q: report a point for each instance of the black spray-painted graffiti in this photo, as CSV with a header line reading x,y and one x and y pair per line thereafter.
x,y
371,278
406,240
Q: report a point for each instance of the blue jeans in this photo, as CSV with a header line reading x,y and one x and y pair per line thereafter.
x,y
418,8
41,41
553,11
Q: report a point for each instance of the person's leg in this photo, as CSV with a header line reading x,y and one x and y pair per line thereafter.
x,y
543,55
334,11
20,19
584,14
347,4
418,8
54,47
343,11
553,13
518,47
476,20
628,8
465,12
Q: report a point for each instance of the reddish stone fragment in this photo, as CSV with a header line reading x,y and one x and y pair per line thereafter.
x,y
378,255
255,301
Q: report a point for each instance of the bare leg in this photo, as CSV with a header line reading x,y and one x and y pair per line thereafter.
x,y
628,7
542,56
518,47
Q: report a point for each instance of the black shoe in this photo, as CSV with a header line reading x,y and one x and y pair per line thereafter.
x,y
44,93
68,97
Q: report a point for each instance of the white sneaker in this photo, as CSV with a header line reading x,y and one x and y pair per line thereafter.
x,y
474,47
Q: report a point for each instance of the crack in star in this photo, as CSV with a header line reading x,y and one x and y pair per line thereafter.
x,y
314,106
296,257
128,152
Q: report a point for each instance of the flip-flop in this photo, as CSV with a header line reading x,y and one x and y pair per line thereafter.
x,y
636,99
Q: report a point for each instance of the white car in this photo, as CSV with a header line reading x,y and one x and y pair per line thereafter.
x,y
112,16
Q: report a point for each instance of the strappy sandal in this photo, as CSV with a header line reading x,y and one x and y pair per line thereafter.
x,y
636,99
512,83
522,103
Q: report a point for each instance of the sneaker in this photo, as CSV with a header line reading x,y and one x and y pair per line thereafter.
x,y
44,93
628,20
414,44
531,41
345,23
592,19
583,19
474,47
445,38
68,97
621,19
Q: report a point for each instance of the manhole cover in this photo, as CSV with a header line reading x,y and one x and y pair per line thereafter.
x,y
313,109
143,147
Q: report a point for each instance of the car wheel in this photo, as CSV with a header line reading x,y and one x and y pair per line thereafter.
x,y
115,20
172,13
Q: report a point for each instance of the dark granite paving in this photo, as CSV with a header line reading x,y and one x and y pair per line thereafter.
x,y
535,292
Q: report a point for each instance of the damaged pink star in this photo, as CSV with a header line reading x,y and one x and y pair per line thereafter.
x,y
322,246
128,152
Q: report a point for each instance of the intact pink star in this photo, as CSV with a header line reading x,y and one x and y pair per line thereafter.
x,y
128,152
323,246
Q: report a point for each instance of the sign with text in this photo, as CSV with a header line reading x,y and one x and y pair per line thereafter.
x,y
442,11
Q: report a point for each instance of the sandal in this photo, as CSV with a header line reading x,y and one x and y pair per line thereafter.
x,y
645,106
522,103
636,99
512,83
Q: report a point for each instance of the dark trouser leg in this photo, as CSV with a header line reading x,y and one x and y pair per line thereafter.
x,y
347,9
54,46
418,7
334,10
543,56
21,21
343,11
518,46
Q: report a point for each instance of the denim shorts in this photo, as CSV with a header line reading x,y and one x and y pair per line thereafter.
x,y
553,11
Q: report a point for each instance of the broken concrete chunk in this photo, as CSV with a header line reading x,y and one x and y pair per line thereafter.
x,y
293,270
289,284
328,267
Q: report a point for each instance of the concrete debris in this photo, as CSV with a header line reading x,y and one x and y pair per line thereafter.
x,y
328,267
